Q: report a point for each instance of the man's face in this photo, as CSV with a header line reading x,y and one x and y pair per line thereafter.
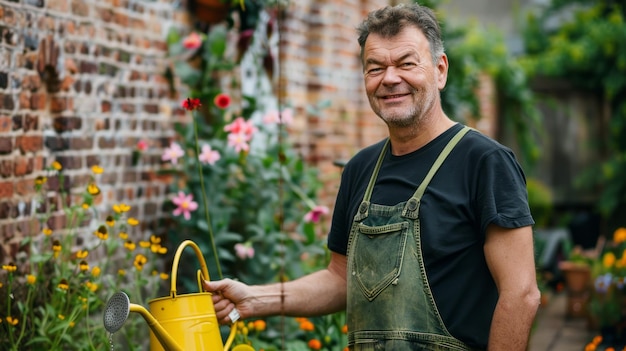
x,y
401,81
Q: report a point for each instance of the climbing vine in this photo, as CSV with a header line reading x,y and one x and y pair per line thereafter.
x,y
584,42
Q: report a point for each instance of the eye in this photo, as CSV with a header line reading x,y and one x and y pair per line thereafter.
x,y
374,70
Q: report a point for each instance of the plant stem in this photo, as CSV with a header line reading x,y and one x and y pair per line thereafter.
x,y
205,201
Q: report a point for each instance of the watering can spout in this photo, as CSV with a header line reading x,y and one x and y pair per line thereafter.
x,y
161,334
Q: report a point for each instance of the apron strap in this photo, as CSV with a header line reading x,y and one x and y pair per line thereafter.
x,y
411,210
363,210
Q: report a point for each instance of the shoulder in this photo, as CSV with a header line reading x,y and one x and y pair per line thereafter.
x,y
365,158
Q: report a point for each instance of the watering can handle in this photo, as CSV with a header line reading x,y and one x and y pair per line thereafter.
x,y
202,273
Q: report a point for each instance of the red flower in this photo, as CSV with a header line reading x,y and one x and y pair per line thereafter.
x,y
222,101
190,104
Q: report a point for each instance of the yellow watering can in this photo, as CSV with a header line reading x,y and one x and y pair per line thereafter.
x,y
177,322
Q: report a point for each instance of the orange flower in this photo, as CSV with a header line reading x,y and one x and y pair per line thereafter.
x,y
259,325
619,235
306,325
344,329
315,344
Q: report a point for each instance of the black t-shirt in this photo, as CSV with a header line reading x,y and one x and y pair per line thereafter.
x,y
479,183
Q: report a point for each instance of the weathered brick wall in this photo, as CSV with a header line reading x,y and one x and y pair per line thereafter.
x,y
80,83
110,56
320,62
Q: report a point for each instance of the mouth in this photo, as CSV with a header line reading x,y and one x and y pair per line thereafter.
x,y
392,98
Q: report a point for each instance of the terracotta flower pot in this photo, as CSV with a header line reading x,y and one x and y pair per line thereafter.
x,y
577,277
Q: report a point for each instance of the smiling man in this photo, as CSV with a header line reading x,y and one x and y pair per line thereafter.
x,y
431,235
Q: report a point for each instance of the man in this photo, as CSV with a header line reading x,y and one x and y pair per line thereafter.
x,y
431,236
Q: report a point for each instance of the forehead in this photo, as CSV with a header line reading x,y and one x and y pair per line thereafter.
x,y
409,40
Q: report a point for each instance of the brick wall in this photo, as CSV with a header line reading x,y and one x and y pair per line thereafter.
x,y
81,82
320,62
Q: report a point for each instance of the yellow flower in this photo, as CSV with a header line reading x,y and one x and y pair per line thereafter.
x,y
130,245
95,271
97,169
84,266
132,221
46,231
619,235
91,286
63,284
85,206
102,232
121,272
121,208
40,180
11,267
155,245
164,276
72,324
61,317
31,279
144,244
82,254
0,284
110,221
123,235
56,248
93,189
57,165
608,260
12,321
140,261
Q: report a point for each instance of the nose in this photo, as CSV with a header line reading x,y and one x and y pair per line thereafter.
x,y
391,76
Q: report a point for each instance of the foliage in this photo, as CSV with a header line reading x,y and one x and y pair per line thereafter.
x,y
584,42
473,54
540,202
252,207
53,299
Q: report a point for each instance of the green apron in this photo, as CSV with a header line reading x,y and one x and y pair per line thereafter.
x,y
390,305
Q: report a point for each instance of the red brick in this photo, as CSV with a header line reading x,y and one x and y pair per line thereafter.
x,y
6,190
5,124
23,166
24,187
29,143
6,145
6,168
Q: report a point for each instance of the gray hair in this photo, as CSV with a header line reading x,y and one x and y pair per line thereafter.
x,y
389,21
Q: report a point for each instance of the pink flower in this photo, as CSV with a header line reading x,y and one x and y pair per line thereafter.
x,y
315,214
238,141
244,251
142,145
173,153
222,100
185,205
208,155
192,41
240,125
273,117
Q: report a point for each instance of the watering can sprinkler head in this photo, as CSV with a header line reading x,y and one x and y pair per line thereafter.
x,y
116,312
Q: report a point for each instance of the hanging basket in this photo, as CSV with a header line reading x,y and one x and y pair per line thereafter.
x,y
210,11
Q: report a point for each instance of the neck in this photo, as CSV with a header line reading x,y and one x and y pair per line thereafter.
x,y
405,140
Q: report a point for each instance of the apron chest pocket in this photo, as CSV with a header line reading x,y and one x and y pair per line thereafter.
x,y
378,256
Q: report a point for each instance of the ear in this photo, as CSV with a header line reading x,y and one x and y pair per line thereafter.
x,y
442,71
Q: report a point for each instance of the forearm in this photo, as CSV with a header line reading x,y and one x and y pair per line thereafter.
x,y
319,293
512,321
